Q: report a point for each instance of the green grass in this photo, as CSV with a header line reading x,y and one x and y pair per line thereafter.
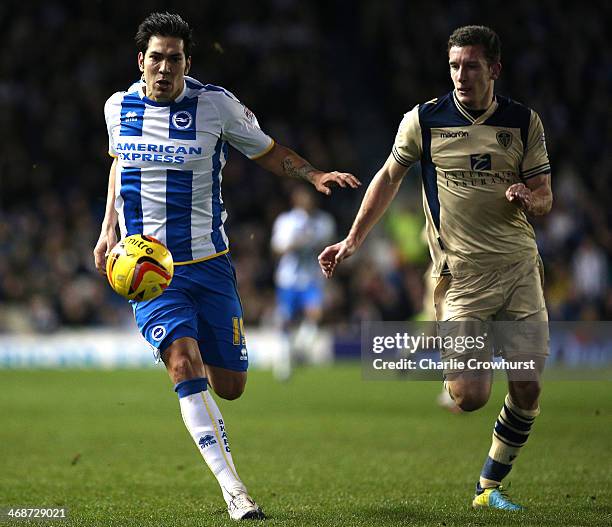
x,y
325,449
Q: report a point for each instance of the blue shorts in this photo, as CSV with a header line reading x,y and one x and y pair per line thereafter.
x,y
292,302
201,302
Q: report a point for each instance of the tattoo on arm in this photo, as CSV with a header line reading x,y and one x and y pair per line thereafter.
x,y
302,172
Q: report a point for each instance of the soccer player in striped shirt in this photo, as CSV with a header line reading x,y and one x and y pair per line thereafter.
x,y
484,167
169,138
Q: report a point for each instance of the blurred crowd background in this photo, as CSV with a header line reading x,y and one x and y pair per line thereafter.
x,y
329,79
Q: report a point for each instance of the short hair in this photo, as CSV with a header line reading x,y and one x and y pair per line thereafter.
x,y
164,25
477,36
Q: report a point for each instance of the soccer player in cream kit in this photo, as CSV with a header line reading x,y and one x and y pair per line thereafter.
x,y
484,166
169,137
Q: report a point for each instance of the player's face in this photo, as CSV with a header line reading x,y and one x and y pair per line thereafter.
x,y
164,66
472,76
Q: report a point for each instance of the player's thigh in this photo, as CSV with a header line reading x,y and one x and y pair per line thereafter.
x,y
312,302
464,306
523,286
287,304
465,347
521,328
167,318
220,317
472,297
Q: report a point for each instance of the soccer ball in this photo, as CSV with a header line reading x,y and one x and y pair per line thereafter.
x,y
139,267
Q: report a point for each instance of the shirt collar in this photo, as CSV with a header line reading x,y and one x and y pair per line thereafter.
x,y
475,120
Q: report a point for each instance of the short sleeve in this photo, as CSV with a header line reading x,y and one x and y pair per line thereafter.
x,y
535,158
112,111
240,127
408,145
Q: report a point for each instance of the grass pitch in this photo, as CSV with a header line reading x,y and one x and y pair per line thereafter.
x,y
324,449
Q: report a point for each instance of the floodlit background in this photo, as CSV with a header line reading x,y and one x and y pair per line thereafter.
x,y
329,79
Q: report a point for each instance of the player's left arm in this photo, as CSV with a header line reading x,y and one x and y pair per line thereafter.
x,y
283,161
534,196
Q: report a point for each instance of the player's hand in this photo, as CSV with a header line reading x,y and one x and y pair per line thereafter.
x,y
325,181
333,255
521,195
106,241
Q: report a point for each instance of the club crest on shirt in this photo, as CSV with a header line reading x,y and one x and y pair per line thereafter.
x,y
249,114
182,120
504,139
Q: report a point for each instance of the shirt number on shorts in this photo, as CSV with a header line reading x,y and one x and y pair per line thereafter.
x,y
238,331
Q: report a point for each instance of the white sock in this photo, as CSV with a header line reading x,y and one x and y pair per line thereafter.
x,y
306,336
282,361
205,423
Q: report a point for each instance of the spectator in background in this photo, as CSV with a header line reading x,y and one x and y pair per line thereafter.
x,y
297,237
590,271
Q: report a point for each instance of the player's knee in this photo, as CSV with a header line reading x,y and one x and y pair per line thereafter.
x,y
471,398
471,402
525,394
470,393
181,368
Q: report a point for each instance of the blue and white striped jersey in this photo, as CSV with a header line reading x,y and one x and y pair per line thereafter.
x,y
170,158
300,236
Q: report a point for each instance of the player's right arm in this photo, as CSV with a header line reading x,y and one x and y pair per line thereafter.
x,y
380,193
241,128
406,150
108,235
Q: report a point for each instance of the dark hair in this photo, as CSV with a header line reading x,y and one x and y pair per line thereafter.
x,y
477,36
164,25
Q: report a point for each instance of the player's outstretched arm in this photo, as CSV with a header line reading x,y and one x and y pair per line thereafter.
x,y
534,197
283,161
379,195
108,236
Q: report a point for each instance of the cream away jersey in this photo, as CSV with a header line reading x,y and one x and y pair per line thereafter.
x,y
467,164
170,160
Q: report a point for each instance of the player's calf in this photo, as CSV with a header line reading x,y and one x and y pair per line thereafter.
x,y
206,426
227,384
510,434
525,394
